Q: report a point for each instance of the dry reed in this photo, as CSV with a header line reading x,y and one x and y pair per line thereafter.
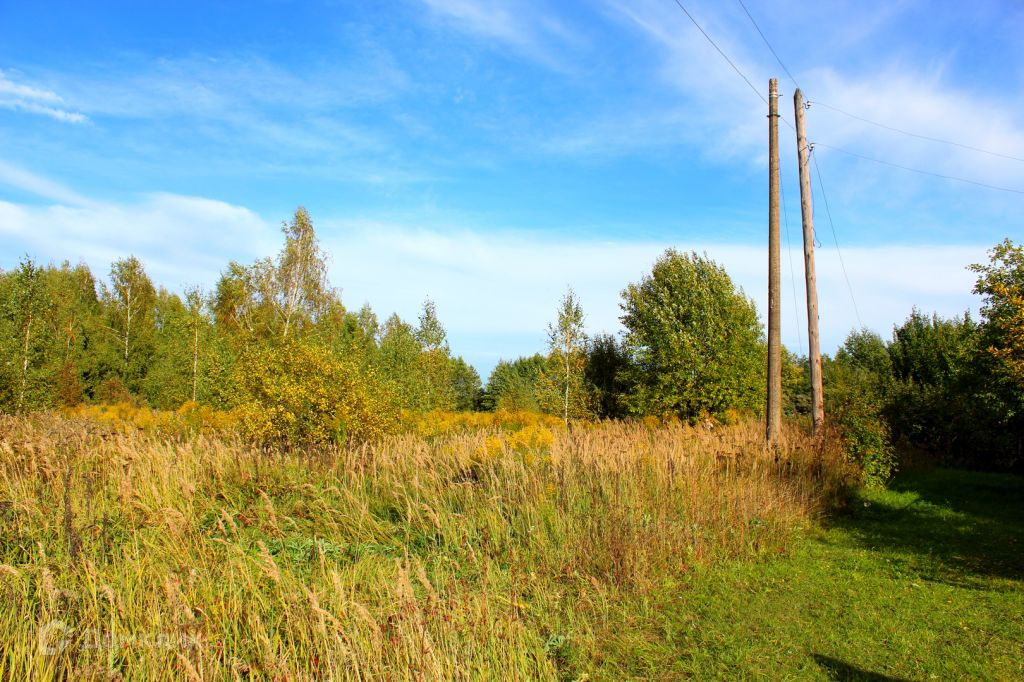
x,y
450,557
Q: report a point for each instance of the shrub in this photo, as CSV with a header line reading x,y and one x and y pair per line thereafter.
x,y
853,405
300,394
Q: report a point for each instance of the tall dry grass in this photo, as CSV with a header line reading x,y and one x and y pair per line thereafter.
x,y
452,557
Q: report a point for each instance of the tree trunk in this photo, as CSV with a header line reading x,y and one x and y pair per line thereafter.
x,y
566,406
195,358
127,327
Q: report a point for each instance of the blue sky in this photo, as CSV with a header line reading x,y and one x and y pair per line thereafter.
x,y
489,153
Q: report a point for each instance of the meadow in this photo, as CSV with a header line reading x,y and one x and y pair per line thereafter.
x,y
496,547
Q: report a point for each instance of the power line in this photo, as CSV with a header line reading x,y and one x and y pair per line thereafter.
x,y
918,170
761,33
792,272
912,134
884,126
724,55
828,212
726,58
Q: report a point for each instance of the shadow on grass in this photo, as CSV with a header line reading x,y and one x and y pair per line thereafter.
x,y
841,672
957,526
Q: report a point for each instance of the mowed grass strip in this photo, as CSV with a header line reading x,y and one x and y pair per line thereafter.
x,y
923,581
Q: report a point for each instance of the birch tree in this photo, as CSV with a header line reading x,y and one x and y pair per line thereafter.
x,y
130,302
276,298
302,289
194,308
25,307
567,347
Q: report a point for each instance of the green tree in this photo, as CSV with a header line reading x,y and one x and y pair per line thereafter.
x,y
931,401
466,385
363,330
512,385
302,292
197,325
605,373
434,362
167,384
130,305
26,300
242,302
368,322
796,384
694,340
183,352
563,384
398,360
76,333
431,333
856,383
866,351
1001,283
277,299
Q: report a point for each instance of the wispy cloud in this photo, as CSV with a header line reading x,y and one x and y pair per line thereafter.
x,y
31,99
244,111
722,115
182,239
212,85
709,104
26,181
497,291
533,28
923,102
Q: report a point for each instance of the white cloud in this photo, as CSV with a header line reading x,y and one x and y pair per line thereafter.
x,y
708,104
532,29
22,97
216,87
182,240
243,112
24,180
923,103
496,292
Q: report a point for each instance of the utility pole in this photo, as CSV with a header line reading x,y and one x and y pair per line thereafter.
x,y
807,213
774,408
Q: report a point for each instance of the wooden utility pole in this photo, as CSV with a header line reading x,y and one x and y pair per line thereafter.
x,y
807,213
774,408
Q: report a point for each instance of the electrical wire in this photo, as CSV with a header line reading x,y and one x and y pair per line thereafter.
x,y
726,58
912,134
761,33
918,170
863,119
828,212
724,55
792,272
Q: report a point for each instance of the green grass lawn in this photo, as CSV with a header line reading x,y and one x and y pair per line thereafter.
x,y
924,581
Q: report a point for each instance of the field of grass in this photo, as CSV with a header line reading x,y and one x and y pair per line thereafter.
x,y
471,555
511,551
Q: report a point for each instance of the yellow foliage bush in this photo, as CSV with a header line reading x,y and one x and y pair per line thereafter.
x,y
124,417
531,438
440,422
526,433
302,393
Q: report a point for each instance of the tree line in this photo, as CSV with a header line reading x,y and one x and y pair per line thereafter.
x,y
949,389
274,343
